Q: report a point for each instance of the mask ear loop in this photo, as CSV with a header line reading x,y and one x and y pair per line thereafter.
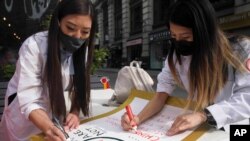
x,y
59,26
89,10
86,56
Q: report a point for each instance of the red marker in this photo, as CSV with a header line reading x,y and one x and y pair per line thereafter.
x,y
131,116
105,81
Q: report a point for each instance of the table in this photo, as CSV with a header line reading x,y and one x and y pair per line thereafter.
x,y
98,99
215,135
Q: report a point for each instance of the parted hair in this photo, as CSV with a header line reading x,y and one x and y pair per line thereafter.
x,y
80,90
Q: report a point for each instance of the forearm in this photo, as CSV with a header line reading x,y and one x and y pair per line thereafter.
x,y
41,119
153,107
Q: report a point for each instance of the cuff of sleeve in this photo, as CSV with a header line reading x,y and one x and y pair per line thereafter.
x,y
30,108
217,114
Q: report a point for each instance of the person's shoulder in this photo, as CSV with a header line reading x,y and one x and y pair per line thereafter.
x,y
240,45
238,39
42,34
35,42
39,36
243,42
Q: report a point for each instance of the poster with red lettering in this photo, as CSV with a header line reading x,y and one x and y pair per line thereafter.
x,y
108,128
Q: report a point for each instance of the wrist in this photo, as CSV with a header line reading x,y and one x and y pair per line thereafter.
x,y
75,112
209,118
203,116
138,120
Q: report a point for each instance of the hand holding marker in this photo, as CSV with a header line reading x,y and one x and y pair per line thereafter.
x,y
131,116
59,126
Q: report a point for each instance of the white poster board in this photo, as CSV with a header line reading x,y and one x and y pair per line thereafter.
x,y
109,128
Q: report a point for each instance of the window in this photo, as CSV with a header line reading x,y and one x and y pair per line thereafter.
x,y
135,16
118,6
118,19
105,22
222,4
160,12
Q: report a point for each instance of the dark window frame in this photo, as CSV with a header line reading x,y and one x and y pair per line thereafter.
x,y
160,12
118,19
222,4
135,16
105,21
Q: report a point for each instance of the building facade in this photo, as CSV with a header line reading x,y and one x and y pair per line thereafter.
x,y
128,29
136,29
233,15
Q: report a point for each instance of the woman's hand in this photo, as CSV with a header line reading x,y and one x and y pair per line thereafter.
x,y
187,121
54,134
41,119
72,121
248,64
127,124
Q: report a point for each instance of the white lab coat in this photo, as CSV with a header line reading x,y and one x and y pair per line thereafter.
x,y
27,83
233,102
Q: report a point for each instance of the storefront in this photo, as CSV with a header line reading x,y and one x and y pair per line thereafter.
x,y
158,48
134,49
115,57
238,23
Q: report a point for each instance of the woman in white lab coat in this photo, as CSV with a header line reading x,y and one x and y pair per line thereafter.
x,y
50,63
214,70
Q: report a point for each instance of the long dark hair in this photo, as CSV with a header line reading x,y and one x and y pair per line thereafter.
x,y
208,71
80,91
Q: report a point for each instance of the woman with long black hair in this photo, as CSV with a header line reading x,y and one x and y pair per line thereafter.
x,y
50,63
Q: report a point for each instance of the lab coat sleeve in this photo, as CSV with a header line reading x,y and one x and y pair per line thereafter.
x,y
29,69
166,82
237,107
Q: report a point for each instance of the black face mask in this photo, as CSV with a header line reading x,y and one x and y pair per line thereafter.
x,y
183,48
70,44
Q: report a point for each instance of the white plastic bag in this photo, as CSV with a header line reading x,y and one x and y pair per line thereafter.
x,y
130,77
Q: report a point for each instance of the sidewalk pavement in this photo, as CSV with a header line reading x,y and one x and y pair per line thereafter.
x,y
111,73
